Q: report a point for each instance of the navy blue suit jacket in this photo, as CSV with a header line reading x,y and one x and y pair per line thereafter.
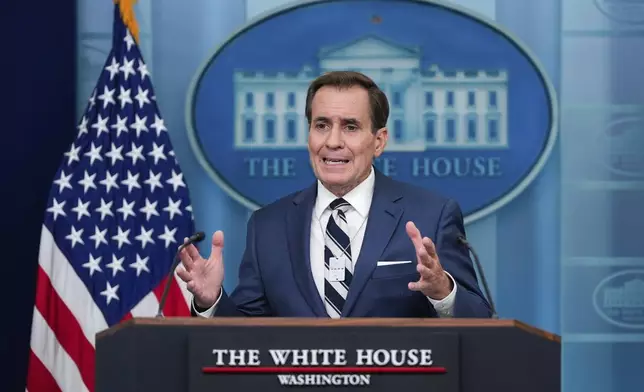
x,y
275,275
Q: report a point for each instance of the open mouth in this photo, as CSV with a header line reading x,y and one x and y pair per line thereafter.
x,y
329,161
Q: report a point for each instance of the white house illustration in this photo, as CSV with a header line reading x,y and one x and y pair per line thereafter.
x,y
429,108
630,295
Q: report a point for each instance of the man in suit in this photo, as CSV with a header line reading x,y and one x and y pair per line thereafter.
x,y
350,245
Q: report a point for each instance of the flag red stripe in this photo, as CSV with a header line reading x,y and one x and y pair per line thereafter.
x,y
39,378
126,317
175,304
66,328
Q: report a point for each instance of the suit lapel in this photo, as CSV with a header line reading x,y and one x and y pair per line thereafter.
x,y
384,216
298,223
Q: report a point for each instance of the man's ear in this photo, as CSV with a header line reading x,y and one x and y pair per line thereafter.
x,y
382,135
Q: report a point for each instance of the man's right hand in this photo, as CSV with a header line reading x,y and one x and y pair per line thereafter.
x,y
204,278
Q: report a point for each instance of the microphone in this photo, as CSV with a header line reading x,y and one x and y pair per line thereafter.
x,y
197,237
463,241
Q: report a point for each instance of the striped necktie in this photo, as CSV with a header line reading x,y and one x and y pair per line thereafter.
x,y
337,244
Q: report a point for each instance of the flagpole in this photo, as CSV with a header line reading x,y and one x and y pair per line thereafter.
x,y
126,8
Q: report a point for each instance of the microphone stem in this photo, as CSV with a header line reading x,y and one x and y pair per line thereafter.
x,y
193,239
484,281
488,294
166,289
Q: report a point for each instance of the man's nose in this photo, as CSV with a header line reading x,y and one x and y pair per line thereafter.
x,y
334,140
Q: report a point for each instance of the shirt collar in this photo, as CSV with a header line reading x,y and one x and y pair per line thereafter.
x,y
359,197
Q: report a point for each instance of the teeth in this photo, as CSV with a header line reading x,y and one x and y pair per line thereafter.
x,y
335,161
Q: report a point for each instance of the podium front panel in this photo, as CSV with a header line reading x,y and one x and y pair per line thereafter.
x,y
341,358
194,355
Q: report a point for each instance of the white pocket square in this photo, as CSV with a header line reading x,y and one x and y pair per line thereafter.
x,y
384,263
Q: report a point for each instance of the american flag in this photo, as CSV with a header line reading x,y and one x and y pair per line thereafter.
x,y
117,211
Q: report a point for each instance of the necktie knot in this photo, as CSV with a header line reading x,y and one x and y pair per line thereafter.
x,y
339,203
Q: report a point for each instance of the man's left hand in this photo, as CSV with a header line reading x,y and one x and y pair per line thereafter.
x,y
434,282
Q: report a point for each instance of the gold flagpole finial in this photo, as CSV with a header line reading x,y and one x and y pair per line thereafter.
x,y
129,18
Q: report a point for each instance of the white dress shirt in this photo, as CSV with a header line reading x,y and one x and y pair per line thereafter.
x,y
360,199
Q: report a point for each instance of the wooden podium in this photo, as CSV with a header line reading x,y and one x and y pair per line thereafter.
x,y
272,354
